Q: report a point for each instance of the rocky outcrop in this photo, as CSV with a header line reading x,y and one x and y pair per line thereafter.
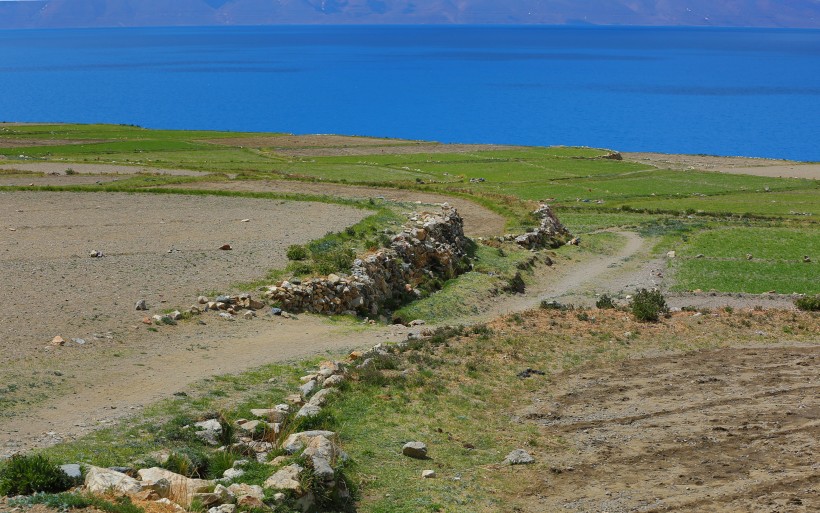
x,y
430,246
550,232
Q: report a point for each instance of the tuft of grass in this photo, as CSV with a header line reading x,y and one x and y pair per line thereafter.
x,y
69,501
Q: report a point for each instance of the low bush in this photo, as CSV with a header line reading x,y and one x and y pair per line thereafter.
x,y
297,252
604,302
808,303
649,305
24,475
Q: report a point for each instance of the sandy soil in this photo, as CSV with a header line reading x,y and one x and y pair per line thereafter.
x,y
478,221
732,165
724,430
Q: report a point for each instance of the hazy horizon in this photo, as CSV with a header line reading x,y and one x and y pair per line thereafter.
x,y
22,14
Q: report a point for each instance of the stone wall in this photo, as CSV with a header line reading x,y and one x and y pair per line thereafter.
x,y
430,246
550,232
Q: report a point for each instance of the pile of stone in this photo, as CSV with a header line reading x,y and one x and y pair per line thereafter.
x,y
550,232
257,439
430,246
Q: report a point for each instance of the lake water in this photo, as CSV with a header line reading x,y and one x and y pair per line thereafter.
x,y
715,91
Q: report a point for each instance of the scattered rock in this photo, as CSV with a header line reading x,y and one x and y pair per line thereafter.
x,y
670,254
308,388
298,441
417,450
182,488
519,457
241,490
58,341
223,508
286,478
428,474
308,410
233,473
320,398
209,431
141,305
225,247
333,381
73,471
95,254
103,480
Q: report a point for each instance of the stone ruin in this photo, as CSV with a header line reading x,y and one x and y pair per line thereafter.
x,y
430,246
550,233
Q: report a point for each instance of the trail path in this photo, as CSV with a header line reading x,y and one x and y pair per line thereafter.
x,y
120,386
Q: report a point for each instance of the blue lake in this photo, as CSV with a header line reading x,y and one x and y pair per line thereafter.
x,y
715,91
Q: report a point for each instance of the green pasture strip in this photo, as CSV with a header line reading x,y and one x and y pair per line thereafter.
x,y
642,185
98,131
106,148
803,203
787,244
754,277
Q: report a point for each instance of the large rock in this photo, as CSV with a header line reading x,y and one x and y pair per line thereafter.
x,y
323,454
298,441
277,414
182,488
240,490
416,450
320,398
286,478
519,457
103,480
209,431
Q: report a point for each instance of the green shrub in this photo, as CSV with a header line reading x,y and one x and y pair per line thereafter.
x,y
604,302
649,305
24,475
808,303
297,252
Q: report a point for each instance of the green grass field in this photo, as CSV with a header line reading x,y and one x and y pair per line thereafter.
x,y
589,193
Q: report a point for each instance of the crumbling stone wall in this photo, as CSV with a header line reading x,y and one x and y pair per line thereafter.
x,y
431,245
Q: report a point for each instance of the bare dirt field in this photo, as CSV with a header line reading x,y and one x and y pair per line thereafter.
x,y
732,165
719,430
161,248
478,221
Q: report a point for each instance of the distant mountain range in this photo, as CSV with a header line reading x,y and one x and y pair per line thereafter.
x,y
115,13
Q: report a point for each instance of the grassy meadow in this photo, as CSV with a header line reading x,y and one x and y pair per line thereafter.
x,y
714,213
